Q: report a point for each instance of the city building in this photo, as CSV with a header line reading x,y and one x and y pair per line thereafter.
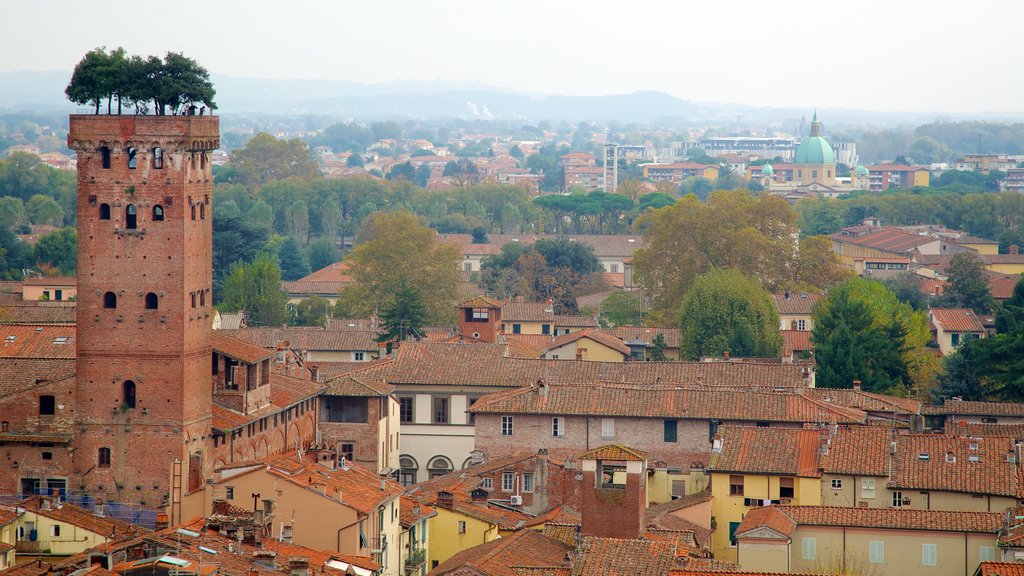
x,y
952,327
885,176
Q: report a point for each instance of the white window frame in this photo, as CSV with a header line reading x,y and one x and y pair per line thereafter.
x,y
897,499
867,488
837,483
359,356
507,425
487,484
808,548
508,481
607,428
876,552
527,481
557,427
929,555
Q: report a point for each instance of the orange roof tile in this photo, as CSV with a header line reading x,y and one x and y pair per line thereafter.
x,y
501,557
591,334
957,464
858,450
78,517
354,486
614,452
795,302
790,451
615,557
886,518
956,319
1000,569
238,349
51,341
336,272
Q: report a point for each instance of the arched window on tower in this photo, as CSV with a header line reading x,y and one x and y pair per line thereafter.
x,y
202,211
193,211
109,300
151,301
103,459
133,160
158,213
131,217
105,156
158,158
128,397
104,211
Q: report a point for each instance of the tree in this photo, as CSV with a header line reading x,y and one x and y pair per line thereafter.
x,y
12,212
234,239
862,332
558,269
968,285
60,249
397,250
255,288
355,161
733,229
907,288
311,311
658,346
697,185
960,374
296,218
727,311
266,159
655,200
90,80
44,210
462,172
815,266
622,309
321,253
293,265
404,317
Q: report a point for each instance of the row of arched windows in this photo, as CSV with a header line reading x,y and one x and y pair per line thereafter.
x,y
131,215
151,301
156,154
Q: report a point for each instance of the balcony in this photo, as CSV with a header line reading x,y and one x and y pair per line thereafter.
x,y
415,560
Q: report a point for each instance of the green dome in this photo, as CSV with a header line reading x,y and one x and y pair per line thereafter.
x,y
767,170
861,170
815,150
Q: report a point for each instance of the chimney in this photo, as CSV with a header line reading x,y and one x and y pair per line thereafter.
x,y
298,566
725,354
1014,249
445,499
786,294
314,373
856,385
265,558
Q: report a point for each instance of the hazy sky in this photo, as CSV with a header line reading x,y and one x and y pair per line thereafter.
x,y
936,55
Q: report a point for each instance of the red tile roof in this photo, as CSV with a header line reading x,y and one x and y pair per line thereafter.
x,y
954,407
645,334
858,450
1000,569
325,288
614,452
352,386
336,272
796,341
354,486
866,401
887,240
589,333
881,518
78,517
796,303
767,517
789,451
615,557
528,312
525,548
410,512
956,464
607,399
51,341
238,349
307,338
21,374
956,319
575,321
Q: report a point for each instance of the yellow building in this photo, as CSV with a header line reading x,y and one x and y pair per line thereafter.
x,y
415,542
50,527
754,467
459,524
324,506
823,539
954,326
8,517
587,344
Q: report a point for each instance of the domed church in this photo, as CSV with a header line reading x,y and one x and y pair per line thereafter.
x,y
814,160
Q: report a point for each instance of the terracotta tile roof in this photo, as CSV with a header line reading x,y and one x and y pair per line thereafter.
x,y
883,518
679,503
956,319
61,281
789,451
1000,569
767,517
796,303
604,245
35,567
539,342
492,365
645,334
460,483
286,390
614,452
887,240
705,566
956,464
352,386
355,486
954,407
23,437
21,374
357,324
330,370
866,401
528,312
410,511
680,166
238,349
858,450
323,288
526,548
336,272
1001,285
604,399
1015,431
615,557
589,333
8,515
557,515
481,302
51,341
307,338
796,341
79,517
575,321
37,313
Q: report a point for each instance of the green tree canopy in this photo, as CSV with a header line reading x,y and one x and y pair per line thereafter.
x,y
622,309
312,311
727,311
59,249
293,264
968,285
404,317
397,250
255,288
266,159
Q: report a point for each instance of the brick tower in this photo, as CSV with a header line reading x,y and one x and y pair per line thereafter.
x,y
614,492
143,396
